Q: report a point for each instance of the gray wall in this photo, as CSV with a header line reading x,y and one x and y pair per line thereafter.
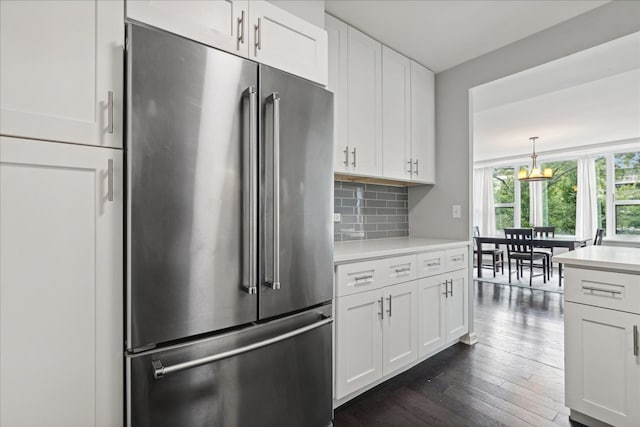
x,y
309,10
430,206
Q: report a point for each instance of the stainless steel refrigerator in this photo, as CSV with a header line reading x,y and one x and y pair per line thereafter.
x,y
229,240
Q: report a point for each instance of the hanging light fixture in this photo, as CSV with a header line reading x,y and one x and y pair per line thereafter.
x,y
535,174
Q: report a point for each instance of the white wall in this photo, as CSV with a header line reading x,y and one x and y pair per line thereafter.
x,y
430,206
309,10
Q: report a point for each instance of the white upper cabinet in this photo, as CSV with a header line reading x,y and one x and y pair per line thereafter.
x,y
61,72
337,83
396,115
220,23
282,40
252,29
364,94
423,139
61,299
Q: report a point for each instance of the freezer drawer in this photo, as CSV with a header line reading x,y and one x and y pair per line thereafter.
x,y
285,383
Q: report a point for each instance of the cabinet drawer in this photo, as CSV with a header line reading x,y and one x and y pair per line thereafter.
x,y
455,259
360,276
617,291
431,263
400,269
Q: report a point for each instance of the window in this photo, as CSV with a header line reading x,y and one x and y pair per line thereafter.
x,y
601,191
626,187
559,197
504,197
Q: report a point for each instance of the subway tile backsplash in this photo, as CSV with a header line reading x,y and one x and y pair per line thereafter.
x,y
370,211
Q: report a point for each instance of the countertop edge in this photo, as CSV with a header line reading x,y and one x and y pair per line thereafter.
x,y
383,253
588,258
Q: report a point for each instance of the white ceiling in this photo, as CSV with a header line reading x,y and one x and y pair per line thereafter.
x,y
443,34
591,97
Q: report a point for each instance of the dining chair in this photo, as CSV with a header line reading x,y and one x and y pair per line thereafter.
x,y
497,255
520,248
546,232
597,241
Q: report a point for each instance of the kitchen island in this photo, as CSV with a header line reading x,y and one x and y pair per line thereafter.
x,y
602,318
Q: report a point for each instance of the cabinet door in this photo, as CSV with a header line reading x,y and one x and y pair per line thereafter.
x,y
423,138
337,34
282,40
61,285
457,305
358,341
602,374
400,335
59,61
396,115
364,92
431,315
221,24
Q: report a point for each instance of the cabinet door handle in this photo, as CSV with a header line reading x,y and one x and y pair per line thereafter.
x,y
110,180
635,340
258,33
240,30
381,312
410,167
451,291
110,111
353,153
446,289
389,311
346,156
416,163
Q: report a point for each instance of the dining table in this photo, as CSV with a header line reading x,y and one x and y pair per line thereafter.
x,y
566,241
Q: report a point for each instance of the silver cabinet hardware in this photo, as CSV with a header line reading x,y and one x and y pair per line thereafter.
x,y
110,180
451,283
402,270
457,259
609,291
381,312
433,263
258,34
416,163
274,98
160,371
110,111
410,171
389,310
446,288
635,340
240,30
250,195
353,153
346,156
365,277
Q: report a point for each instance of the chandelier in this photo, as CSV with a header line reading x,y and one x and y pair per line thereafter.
x,y
535,174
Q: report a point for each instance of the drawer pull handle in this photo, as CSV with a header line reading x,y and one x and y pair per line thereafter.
x,y
403,270
635,340
457,259
590,288
365,277
433,264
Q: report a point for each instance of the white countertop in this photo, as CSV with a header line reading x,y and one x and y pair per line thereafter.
x,y
356,250
603,258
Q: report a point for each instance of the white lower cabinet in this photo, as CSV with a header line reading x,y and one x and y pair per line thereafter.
x,y
61,298
376,335
391,312
602,365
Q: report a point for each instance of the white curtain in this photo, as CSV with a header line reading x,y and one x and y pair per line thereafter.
x,y
586,199
483,205
535,203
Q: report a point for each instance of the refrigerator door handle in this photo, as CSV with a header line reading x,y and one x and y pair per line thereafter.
x,y
160,371
274,99
249,196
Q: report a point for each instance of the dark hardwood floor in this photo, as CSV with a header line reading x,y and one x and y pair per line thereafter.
x,y
514,376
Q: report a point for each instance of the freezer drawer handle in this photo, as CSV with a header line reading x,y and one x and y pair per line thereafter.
x,y
160,370
274,98
249,195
